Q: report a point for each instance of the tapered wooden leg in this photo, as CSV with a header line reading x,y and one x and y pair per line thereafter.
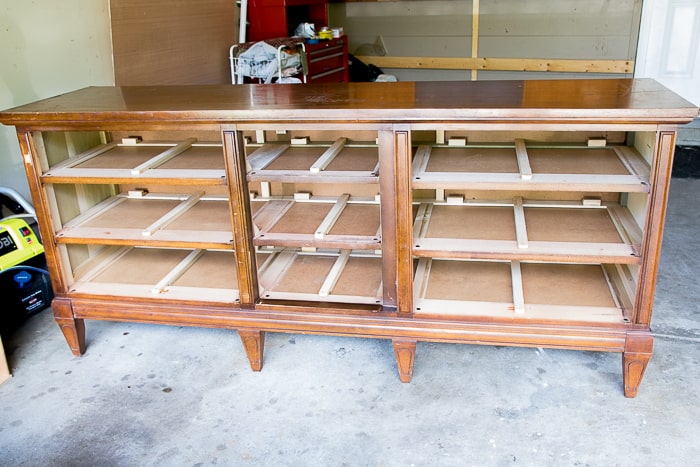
x,y
73,329
405,353
253,343
638,349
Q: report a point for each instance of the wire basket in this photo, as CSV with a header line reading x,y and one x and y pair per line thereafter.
x,y
254,68
282,59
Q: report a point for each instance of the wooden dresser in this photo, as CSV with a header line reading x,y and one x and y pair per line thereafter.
x,y
524,213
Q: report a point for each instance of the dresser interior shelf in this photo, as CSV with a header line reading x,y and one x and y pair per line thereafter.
x,y
320,221
521,166
159,273
319,162
188,161
522,291
526,229
342,276
162,219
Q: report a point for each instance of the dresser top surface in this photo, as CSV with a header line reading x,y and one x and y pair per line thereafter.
x,y
594,100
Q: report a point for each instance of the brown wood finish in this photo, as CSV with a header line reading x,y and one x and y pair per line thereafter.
x,y
405,352
638,348
253,344
524,305
654,229
500,104
165,42
73,328
403,221
241,218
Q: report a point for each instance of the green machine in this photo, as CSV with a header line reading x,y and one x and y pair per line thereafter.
x,y
24,281
18,243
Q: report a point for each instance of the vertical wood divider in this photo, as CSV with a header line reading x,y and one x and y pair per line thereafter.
x,y
660,180
242,226
397,237
45,219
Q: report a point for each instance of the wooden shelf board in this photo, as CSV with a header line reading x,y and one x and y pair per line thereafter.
x,y
118,156
143,161
538,182
506,312
590,161
536,251
550,292
285,157
305,176
154,176
332,163
291,275
551,230
135,272
530,167
185,294
472,160
155,219
320,222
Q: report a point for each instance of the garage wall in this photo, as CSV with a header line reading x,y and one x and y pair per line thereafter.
x,y
47,48
567,29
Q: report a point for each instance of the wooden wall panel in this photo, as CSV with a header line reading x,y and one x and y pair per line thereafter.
x,y
173,41
539,29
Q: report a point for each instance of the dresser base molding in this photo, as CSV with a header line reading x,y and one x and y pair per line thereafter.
x,y
404,332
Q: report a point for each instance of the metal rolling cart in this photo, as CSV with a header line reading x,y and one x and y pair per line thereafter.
x,y
267,61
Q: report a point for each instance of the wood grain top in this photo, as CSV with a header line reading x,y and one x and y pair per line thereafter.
x,y
591,101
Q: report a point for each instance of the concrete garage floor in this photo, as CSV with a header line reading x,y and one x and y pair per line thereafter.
x,y
167,396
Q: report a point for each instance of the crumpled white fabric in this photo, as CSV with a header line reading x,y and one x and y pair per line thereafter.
x,y
260,61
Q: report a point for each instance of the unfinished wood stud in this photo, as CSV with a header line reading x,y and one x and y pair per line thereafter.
x,y
520,225
334,274
138,193
523,160
177,271
173,214
455,199
517,281
457,141
131,140
332,217
164,156
439,136
591,201
328,155
260,136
